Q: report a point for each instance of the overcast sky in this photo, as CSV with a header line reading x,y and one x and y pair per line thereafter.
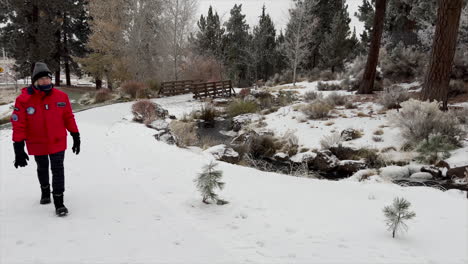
x,y
278,10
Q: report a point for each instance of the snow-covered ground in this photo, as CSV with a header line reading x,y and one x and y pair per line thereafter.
x,y
133,200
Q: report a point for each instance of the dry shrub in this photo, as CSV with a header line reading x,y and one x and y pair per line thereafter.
x,y
239,107
336,99
204,68
144,111
402,63
134,89
102,95
312,95
392,97
263,146
185,133
350,105
208,114
289,143
321,86
419,120
244,92
317,109
379,132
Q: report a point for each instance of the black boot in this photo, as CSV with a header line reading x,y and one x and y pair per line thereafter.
x,y
45,196
60,209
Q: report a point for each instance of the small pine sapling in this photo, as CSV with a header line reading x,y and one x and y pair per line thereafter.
x,y
397,214
208,180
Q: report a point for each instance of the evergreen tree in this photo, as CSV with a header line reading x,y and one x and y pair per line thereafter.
x,y
30,34
208,180
334,48
366,15
264,46
321,12
208,40
236,42
281,61
397,214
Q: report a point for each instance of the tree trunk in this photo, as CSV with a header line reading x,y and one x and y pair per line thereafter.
x,y
98,84
436,82
367,83
66,55
58,42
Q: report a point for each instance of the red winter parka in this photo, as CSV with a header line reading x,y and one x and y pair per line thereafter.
x,y
42,120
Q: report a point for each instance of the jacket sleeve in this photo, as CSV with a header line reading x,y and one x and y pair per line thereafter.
x,y
18,121
69,117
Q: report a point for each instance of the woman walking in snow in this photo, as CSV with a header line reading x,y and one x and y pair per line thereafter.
x,y
41,117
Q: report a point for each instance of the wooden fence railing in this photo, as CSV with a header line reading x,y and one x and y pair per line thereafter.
x,y
176,87
198,88
213,89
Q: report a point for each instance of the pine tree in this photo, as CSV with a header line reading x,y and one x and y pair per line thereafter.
x,y
366,15
236,42
397,214
30,34
320,12
208,181
208,40
263,46
333,50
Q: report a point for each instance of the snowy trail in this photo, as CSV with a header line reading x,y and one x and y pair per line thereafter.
x,y
132,200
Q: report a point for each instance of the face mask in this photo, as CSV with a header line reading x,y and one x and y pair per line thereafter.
x,y
45,88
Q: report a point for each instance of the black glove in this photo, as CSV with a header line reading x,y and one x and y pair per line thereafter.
x,y
76,142
20,155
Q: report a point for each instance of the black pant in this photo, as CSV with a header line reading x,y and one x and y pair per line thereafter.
x,y
58,177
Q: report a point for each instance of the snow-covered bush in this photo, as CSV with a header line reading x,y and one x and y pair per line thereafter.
x,y
289,143
418,120
102,95
144,111
393,96
317,109
239,107
435,149
396,215
321,86
332,140
312,95
336,99
402,63
207,181
286,98
134,89
185,133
